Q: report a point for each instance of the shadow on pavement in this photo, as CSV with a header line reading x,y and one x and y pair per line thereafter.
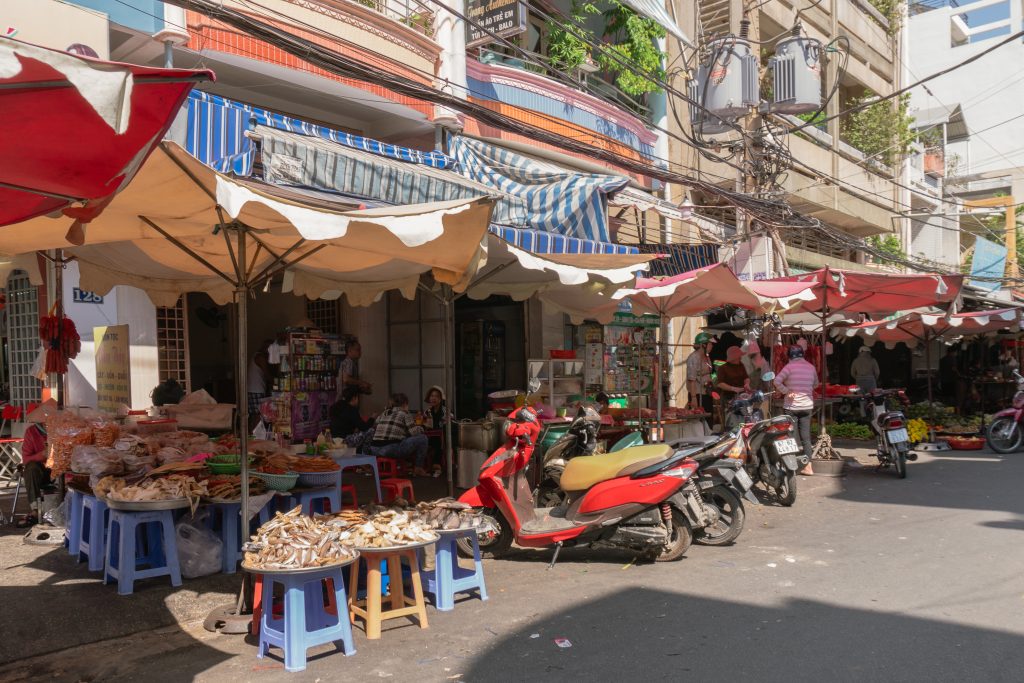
x,y
649,634
69,607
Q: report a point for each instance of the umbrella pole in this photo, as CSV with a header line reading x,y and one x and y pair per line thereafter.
x,y
241,373
449,390
661,370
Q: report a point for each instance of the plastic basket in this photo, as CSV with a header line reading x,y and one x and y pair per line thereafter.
x,y
278,482
229,463
312,479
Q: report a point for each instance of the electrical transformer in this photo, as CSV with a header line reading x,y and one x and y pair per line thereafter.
x,y
707,124
727,80
796,70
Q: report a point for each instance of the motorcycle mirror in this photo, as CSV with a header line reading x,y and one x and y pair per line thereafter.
x,y
715,395
533,385
768,376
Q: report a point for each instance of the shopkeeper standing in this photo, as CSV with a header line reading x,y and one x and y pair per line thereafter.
x,y
348,372
698,373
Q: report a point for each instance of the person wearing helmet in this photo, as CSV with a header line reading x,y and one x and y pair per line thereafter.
x,y
796,381
698,373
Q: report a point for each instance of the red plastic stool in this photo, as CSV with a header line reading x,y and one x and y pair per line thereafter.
x,y
351,490
394,487
390,467
330,604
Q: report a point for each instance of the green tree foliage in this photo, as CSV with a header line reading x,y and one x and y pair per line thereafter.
x,y
881,130
568,49
892,10
890,245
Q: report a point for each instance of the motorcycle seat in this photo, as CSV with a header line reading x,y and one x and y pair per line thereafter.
x,y
582,473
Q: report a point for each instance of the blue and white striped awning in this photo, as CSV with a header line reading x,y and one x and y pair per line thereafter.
x,y
558,200
217,127
537,242
679,258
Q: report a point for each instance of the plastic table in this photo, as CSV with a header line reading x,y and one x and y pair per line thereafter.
x,y
347,461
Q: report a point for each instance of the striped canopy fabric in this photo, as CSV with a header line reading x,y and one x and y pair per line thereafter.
x,y
680,258
537,242
558,200
217,127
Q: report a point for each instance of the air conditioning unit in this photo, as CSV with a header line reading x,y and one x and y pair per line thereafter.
x,y
796,71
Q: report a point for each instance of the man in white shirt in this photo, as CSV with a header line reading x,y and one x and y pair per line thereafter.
x,y
698,373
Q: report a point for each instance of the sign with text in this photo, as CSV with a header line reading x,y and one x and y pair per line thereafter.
x,y
503,17
81,296
113,367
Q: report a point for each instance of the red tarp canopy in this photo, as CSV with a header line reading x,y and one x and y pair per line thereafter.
x,y
696,291
923,327
76,129
838,291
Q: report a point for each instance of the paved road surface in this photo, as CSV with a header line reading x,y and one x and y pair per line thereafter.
x,y
868,578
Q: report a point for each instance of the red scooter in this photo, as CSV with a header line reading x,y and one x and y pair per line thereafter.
x,y
626,499
1006,433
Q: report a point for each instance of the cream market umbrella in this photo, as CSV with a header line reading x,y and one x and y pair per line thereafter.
x,y
181,227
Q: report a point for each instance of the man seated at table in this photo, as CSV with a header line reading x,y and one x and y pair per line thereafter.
x,y
345,417
33,457
398,436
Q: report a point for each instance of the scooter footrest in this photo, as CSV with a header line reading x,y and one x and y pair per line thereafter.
x,y
545,524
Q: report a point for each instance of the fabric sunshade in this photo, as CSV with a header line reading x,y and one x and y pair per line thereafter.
x,y
75,130
177,199
303,161
700,290
217,127
914,328
842,290
558,200
578,284
539,242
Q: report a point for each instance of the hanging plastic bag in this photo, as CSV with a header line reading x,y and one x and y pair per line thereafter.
x,y
199,549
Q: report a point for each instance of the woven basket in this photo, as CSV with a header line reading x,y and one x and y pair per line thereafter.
x,y
313,479
278,482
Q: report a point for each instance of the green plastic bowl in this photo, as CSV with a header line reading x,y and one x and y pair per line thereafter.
x,y
228,463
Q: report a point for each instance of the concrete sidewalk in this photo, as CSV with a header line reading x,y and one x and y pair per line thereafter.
x,y
866,578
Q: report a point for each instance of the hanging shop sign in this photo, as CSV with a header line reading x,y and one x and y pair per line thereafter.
x,y
113,367
989,262
503,17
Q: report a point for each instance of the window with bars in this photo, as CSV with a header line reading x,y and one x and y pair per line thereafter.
x,y
23,338
172,343
324,315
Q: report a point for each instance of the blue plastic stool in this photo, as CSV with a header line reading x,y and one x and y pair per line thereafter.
x,y
312,500
148,539
447,577
73,532
226,521
92,532
306,622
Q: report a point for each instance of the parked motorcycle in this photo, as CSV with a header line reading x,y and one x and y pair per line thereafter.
x,y
629,499
579,440
1005,433
768,449
890,428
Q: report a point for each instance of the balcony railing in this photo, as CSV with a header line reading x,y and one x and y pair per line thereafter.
x,y
414,14
591,83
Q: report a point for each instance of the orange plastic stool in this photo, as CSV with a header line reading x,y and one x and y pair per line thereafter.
x,y
389,467
395,487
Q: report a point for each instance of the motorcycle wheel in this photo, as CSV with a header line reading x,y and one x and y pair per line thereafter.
x,y
786,492
900,459
731,517
1004,435
493,544
681,539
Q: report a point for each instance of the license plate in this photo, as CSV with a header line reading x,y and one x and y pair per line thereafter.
x,y
744,479
898,436
784,446
706,483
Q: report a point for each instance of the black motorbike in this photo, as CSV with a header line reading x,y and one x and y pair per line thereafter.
x,y
579,440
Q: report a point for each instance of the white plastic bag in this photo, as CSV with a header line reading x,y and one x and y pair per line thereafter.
x,y
199,549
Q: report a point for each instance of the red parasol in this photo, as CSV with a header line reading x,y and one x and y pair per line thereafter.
x,y
77,129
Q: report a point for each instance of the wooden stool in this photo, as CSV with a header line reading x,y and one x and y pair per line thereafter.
x,y
401,605
394,487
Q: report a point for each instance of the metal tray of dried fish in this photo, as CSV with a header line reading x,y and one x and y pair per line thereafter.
x,y
301,570
404,546
147,505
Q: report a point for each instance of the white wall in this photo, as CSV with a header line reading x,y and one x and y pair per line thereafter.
x,y
122,306
990,90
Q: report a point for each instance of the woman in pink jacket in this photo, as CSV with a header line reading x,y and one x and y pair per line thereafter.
x,y
797,381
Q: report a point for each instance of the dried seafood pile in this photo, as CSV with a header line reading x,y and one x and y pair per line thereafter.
x,y
294,541
228,488
151,490
388,528
448,514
